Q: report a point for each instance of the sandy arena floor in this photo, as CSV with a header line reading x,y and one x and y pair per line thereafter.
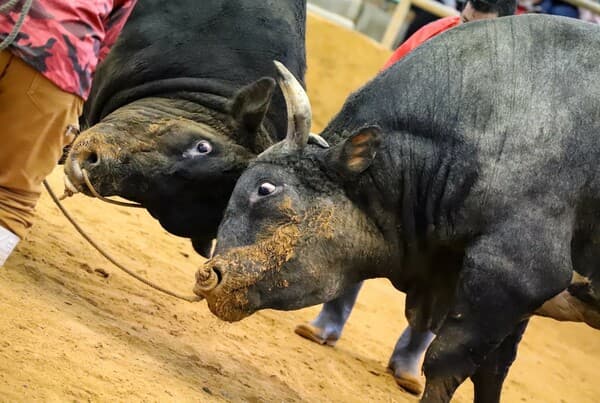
x,y
71,334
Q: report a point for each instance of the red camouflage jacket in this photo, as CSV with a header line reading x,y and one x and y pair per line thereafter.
x,y
424,34
66,39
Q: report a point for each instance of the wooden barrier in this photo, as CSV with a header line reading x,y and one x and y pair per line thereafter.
x,y
395,24
401,13
435,8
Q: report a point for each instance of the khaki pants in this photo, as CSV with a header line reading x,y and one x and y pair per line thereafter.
x,y
34,115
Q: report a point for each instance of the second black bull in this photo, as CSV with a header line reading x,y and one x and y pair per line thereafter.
x,y
466,174
183,102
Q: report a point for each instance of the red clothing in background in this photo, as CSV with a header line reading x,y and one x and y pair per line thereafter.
x,y
422,35
66,39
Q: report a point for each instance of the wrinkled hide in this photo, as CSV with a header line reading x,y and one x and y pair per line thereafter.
x,y
185,99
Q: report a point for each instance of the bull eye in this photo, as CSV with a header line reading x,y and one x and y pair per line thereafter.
x,y
266,188
204,147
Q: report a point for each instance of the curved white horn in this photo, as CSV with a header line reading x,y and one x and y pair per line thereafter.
x,y
314,138
298,107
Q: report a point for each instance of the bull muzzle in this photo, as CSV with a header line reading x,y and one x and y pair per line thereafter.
x,y
208,277
91,154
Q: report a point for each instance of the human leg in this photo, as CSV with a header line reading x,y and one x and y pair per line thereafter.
x,y
406,359
327,327
34,115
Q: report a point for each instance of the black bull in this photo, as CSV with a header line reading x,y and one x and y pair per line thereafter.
x,y
467,174
183,101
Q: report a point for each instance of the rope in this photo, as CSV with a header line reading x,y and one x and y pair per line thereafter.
x,y
8,5
6,42
15,31
105,199
109,257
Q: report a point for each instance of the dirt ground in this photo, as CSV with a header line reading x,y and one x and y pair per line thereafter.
x,y
71,334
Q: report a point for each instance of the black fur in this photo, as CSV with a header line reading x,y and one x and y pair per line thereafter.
x,y
477,196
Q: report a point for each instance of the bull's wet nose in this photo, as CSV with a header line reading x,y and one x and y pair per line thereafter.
x,y
94,150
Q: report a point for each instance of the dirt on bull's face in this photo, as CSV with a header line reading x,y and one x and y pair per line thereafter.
x,y
177,157
143,140
180,165
255,275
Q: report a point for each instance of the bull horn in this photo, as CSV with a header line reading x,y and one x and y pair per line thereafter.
x,y
213,247
298,108
318,140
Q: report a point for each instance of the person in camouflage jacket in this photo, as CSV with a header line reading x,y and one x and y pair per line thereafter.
x,y
45,76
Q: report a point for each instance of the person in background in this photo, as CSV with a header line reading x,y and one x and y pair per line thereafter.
x,y
49,50
588,16
423,17
557,7
472,11
410,347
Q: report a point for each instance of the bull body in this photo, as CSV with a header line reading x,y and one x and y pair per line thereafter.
x,y
183,101
466,174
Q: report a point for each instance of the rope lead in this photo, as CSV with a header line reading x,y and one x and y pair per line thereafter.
x,y
5,9
187,298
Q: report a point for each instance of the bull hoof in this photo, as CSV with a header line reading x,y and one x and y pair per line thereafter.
x,y
316,334
408,382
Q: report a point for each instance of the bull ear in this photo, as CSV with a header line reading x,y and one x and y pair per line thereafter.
x,y
355,154
251,103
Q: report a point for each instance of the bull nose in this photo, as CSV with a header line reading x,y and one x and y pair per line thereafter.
x,y
88,158
84,155
208,278
93,148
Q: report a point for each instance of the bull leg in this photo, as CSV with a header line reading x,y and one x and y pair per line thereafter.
x,y
505,276
406,359
327,327
490,375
